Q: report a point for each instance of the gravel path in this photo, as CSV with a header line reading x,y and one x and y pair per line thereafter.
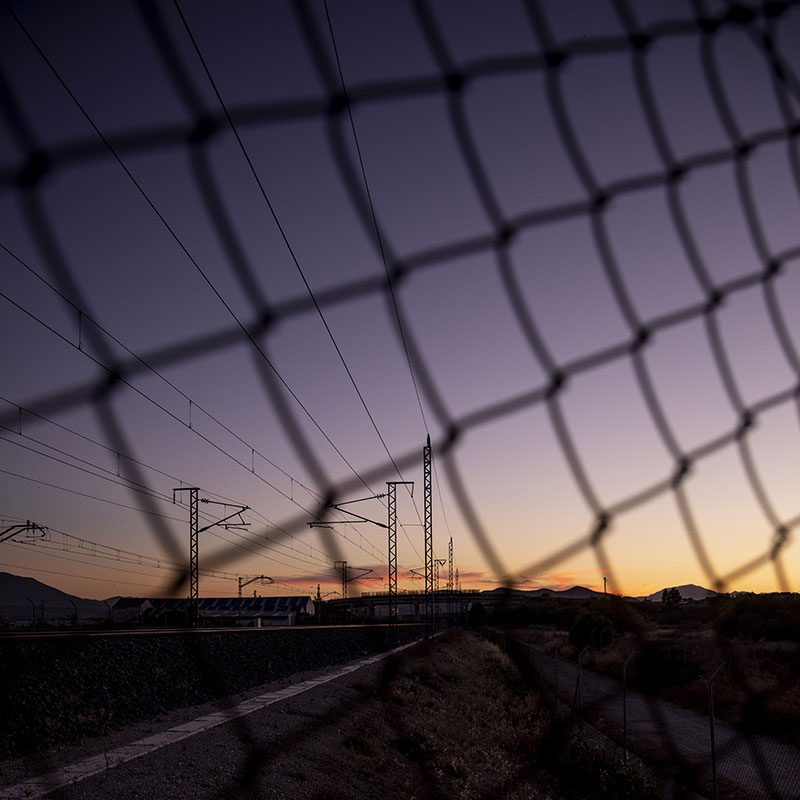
x,y
676,739
271,752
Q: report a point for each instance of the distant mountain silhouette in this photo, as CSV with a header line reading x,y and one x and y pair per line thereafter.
x,y
689,591
17,593
574,592
579,592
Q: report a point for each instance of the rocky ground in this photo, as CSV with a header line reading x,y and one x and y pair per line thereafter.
x,y
447,718
62,690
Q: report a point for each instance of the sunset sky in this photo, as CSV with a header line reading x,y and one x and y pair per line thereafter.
x,y
561,238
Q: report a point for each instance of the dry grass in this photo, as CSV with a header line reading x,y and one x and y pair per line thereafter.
x,y
759,689
457,720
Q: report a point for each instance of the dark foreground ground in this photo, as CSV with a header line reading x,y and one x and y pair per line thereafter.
x,y
449,718
60,690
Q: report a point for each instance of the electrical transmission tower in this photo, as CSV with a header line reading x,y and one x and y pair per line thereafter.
x,y
24,527
450,585
341,566
194,530
428,498
438,563
260,578
392,526
450,559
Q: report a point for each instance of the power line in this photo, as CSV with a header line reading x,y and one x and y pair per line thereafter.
x,y
379,239
147,397
82,314
90,496
72,543
73,575
300,443
289,248
140,463
124,482
299,440
150,493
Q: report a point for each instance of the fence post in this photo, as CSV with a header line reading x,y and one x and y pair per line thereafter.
x,y
625,704
711,723
577,702
556,687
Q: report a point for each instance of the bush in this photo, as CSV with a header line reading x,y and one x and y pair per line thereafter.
x,y
660,666
477,615
623,615
541,610
590,628
775,617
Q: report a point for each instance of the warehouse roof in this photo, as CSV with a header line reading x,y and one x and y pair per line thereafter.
x,y
238,606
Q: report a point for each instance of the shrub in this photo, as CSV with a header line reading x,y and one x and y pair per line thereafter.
x,y
660,666
588,628
775,617
623,615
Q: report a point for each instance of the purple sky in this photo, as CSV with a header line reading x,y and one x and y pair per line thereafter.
x,y
537,231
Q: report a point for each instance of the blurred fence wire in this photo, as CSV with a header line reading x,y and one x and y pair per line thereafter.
x,y
675,740
26,174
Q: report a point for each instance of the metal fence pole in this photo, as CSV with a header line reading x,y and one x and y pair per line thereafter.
x,y
625,704
556,683
711,724
577,702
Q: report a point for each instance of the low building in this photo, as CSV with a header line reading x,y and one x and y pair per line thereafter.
x,y
256,611
129,609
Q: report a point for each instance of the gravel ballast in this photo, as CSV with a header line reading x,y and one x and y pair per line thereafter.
x,y
64,689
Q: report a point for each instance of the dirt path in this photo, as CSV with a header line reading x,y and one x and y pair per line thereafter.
x,y
673,739
220,752
441,719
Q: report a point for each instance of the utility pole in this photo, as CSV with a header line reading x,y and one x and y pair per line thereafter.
x,y
28,526
243,583
392,526
450,559
450,578
427,491
605,582
194,582
194,530
342,567
439,563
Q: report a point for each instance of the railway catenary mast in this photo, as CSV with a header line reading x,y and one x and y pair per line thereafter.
x,y
428,495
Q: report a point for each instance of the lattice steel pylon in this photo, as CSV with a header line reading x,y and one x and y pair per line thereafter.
x,y
342,567
392,525
391,507
450,560
438,563
243,582
28,526
194,530
428,497
194,571
450,585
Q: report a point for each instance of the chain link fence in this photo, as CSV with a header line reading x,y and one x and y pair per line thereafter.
x,y
33,162
700,751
